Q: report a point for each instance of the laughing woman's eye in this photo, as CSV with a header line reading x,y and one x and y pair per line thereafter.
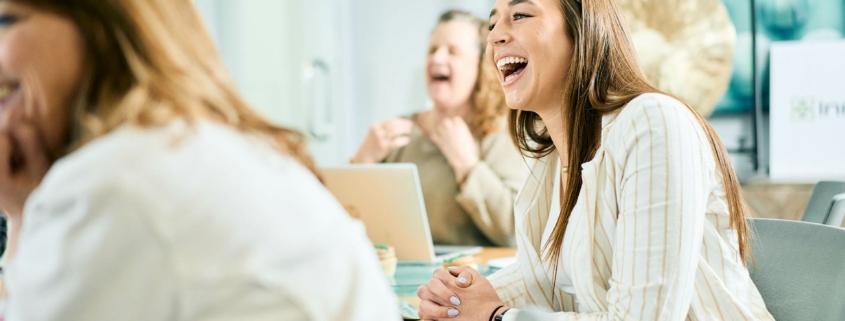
x,y
490,28
520,16
7,19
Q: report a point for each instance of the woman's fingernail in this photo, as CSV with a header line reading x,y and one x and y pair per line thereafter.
x,y
452,267
462,280
455,300
453,312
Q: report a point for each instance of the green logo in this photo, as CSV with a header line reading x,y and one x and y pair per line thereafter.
x,y
803,110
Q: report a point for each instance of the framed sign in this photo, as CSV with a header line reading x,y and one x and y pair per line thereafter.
x,y
807,99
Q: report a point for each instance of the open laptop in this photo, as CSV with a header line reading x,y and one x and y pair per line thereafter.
x,y
389,200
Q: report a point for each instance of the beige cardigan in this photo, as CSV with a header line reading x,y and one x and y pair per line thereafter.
x,y
480,213
649,237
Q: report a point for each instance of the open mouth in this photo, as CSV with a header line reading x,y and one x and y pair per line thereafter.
x,y
511,67
440,78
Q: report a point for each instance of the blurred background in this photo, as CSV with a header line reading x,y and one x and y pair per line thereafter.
x,y
331,68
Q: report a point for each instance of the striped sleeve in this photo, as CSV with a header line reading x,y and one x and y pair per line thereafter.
x,y
657,143
508,283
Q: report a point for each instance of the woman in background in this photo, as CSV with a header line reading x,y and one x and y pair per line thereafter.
x,y
636,212
140,186
469,168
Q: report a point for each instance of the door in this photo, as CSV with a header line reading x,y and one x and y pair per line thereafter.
x,y
283,56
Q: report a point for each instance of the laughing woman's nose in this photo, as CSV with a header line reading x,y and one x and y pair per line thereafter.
x,y
440,55
499,34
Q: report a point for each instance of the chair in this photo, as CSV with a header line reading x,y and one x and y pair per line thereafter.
x,y
799,269
820,202
837,211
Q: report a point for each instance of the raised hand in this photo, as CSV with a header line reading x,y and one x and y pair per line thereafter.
x,y
382,138
455,140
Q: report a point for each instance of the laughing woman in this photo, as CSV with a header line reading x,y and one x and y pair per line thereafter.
x,y
635,212
140,186
469,169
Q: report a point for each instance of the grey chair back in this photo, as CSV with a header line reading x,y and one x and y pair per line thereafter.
x,y
819,206
837,211
799,269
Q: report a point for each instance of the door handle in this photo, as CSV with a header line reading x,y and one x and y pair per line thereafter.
x,y
317,99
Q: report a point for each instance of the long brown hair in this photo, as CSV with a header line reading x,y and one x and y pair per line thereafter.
x,y
149,62
604,77
488,100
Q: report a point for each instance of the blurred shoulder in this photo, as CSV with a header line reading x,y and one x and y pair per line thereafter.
x,y
149,154
110,158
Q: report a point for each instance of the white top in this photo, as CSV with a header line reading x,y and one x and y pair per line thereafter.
x,y
209,224
649,236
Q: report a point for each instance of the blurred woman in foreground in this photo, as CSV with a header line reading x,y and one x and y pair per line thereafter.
x,y
140,186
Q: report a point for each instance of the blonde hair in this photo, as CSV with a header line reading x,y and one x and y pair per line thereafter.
x,y
604,77
488,99
149,62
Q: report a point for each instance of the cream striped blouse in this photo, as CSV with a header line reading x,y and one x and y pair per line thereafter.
x,y
649,237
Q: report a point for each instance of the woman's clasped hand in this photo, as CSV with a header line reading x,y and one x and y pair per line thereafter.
x,y
458,293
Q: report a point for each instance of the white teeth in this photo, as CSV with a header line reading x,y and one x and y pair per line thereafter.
x,y
502,63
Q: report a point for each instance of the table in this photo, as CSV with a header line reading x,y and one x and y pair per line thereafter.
x,y
490,253
487,254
